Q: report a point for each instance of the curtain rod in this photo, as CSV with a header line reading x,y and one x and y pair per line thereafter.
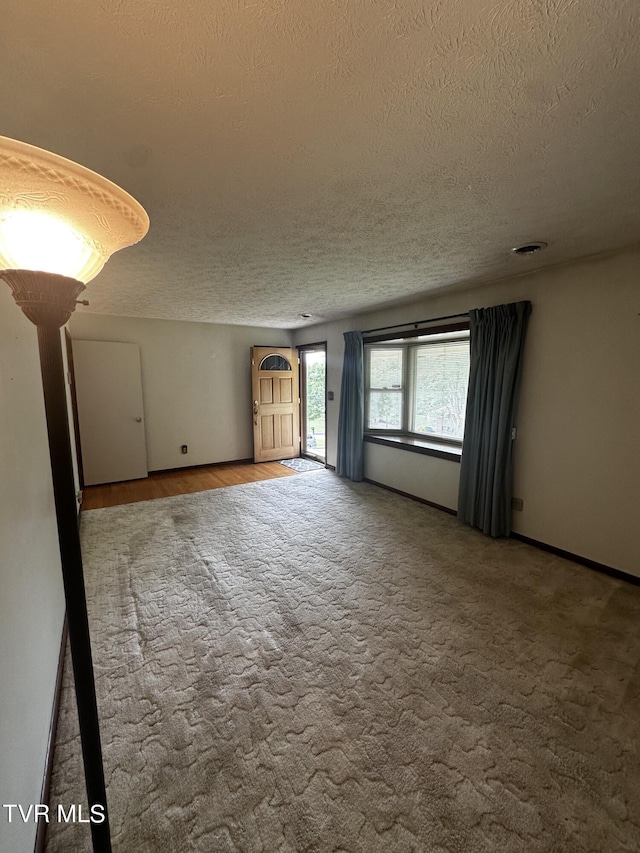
x,y
415,324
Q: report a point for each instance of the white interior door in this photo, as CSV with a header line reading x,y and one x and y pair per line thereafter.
x,y
110,412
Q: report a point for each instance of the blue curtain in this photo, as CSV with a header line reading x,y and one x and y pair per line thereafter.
x,y
350,461
497,340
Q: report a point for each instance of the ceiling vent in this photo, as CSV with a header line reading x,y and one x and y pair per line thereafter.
x,y
529,248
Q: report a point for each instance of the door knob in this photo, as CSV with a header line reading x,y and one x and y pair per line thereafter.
x,y
138,420
255,407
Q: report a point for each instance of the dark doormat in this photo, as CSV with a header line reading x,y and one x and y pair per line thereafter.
x,y
301,465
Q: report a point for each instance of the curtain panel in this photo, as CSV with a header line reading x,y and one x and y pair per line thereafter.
x,y
350,459
486,470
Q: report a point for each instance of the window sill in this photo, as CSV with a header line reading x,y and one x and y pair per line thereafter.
x,y
451,452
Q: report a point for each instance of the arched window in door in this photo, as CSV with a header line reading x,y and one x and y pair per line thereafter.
x,y
274,362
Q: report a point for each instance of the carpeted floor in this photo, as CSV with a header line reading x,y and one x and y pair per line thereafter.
x,y
308,664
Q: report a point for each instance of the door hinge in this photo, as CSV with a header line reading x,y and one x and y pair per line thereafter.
x,y
514,432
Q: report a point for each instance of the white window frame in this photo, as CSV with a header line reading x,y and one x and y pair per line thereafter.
x,y
409,346
401,391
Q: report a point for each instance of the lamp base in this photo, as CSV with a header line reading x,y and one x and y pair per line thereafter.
x,y
47,299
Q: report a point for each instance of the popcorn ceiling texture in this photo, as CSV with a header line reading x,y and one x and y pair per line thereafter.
x,y
312,665
325,157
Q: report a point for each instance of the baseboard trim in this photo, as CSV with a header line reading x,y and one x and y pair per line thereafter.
x,y
41,832
202,465
411,497
535,543
576,558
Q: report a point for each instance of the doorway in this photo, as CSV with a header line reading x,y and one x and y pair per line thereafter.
x,y
313,396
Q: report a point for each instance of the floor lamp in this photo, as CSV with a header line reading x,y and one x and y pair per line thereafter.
x,y
59,224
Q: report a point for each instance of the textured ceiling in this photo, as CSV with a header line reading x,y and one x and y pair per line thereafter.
x,y
324,157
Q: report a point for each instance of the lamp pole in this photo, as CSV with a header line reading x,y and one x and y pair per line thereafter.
x,y
59,224
48,300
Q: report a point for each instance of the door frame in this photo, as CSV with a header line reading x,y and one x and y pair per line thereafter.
x,y
304,450
71,378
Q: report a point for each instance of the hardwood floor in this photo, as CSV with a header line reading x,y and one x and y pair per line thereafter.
x,y
164,484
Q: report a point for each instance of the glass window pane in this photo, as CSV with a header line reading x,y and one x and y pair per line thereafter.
x,y
385,410
441,379
314,408
274,362
385,368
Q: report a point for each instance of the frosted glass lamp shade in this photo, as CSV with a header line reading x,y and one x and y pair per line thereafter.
x,y
59,217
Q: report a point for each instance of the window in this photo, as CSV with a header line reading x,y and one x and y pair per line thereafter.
x,y
417,387
274,362
386,388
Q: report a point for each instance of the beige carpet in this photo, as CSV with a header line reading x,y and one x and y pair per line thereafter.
x,y
308,664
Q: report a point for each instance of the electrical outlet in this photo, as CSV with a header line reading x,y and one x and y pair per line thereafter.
x,y
184,448
517,504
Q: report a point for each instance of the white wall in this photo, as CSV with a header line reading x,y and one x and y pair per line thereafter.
x,y
405,471
196,384
576,458
31,601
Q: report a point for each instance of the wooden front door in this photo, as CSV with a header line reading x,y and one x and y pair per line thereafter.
x,y
276,419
